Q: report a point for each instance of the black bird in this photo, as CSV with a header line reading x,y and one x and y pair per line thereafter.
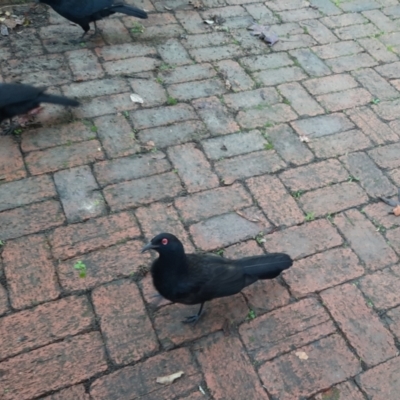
x,y
16,99
82,12
197,278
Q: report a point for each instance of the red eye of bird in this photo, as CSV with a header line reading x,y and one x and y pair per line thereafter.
x,y
164,241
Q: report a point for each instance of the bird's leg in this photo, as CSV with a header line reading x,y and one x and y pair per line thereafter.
x,y
10,129
194,318
95,28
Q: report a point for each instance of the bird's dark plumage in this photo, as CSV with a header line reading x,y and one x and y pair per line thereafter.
x,y
197,278
83,12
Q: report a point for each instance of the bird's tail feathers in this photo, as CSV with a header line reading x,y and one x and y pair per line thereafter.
x,y
267,266
50,98
128,10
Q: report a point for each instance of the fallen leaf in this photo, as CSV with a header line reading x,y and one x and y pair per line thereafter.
x,y
169,378
4,30
302,355
136,98
396,211
304,139
251,219
264,33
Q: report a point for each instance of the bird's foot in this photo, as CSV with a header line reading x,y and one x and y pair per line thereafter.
x,y
191,319
10,130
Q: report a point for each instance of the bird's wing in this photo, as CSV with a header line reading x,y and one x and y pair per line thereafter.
x,y
13,93
80,9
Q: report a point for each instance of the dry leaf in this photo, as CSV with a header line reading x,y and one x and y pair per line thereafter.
x,y
169,378
136,98
396,211
302,355
304,139
254,219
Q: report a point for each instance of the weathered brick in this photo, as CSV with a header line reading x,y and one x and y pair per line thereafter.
x,y
172,332
285,5
300,100
237,381
340,143
95,88
40,162
124,322
76,392
162,217
11,163
215,116
378,214
329,362
378,131
114,32
191,21
78,194
375,84
342,20
235,75
261,13
273,198
296,42
140,380
194,90
322,271
130,66
347,390
187,73
356,31
142,191
172,52
310,62
288,146
267,61
254,98
314,176
216,53
333,83
371,177
281,75
70,241
26,191
227,229
206,40
125,50
359,5
382,381
30,219
162,116
367,243
393,321
347,99
304,240
116,136
319,31
129,168
351,63
84,65
326,7
386,156
299,14
362,327
282,330
44,324
53,367
338,49
102,266
3,300
248,165
395,175
394,239
378,50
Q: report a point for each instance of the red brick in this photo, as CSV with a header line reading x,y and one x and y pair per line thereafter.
x,y
253,98
116,135
218,313
129,168
347,99
212,202
342,20
361,326
84,65
372,126
114,32
130,66
194,90
314,176
45,137
193,167
395,175
124,322
281,75
394,239
216,53
322,271
79,194
26,191
11,164
139,381
215,116
332,83
304,240
3,300
332,199
53,367
187,73
393,321
386,156
227,229
366,242
239,381
338,49
346,390
50,160
44,324
162,217
142,191
283,330
267,61
388,110
30,271
98,87
172,52
70,241
191,21
150,294
382,382
235,74
76,392
273,198
378,213
329,362
379,51
351,62
102,266
382,288
247,165
356,31
339,143
125,50
30,219
206,40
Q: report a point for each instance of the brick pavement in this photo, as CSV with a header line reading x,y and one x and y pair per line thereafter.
x,y
234,138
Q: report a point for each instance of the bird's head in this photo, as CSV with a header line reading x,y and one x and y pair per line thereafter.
x,y
164,243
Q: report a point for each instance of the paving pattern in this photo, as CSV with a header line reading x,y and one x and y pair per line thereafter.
x,y
238,148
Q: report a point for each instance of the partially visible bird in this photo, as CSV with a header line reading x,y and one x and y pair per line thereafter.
x,y
16,99
197,278
82,12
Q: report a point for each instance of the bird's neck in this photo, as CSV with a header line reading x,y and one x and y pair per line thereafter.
x,y
176,261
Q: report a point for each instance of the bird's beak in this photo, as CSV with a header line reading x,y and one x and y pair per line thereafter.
x,y
149,246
